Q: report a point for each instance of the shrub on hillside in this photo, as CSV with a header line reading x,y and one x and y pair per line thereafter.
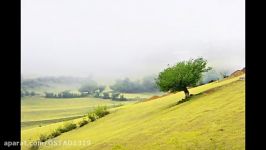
x,y
101,111
83,122
55,133
43,137
67,127
92,116
98,112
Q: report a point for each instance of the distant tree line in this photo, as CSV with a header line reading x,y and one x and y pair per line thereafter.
x,y
27,93
97,91
64,94
127,86
52,81
114,96
118,96
31,84
91,88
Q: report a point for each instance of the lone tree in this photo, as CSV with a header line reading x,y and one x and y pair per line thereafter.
x,y
182,75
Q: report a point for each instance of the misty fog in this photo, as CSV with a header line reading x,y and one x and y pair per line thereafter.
x,y
108,40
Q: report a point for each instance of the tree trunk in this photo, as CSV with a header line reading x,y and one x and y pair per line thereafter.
x,y
186,92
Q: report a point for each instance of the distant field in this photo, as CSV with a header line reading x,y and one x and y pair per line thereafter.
x,y
39,110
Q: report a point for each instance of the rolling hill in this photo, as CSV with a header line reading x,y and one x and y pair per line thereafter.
x,y
238,72
214,118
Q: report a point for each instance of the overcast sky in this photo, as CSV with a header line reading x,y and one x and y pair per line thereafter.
x,y
110,39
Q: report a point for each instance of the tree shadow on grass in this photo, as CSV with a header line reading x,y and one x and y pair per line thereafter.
x,y
192,96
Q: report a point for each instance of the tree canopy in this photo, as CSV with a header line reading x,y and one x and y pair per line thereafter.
x,y
182,75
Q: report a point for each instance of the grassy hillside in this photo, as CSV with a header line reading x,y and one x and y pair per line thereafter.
x,y
214,119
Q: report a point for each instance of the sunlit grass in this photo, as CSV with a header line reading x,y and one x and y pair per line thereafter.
x,y
212,120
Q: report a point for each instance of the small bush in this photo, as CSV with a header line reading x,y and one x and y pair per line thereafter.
x,y
92,116
43,137
61,129
101,111
55,133
67,127
83,122
98,112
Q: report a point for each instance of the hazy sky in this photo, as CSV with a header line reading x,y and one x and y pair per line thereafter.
x,y
109,39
